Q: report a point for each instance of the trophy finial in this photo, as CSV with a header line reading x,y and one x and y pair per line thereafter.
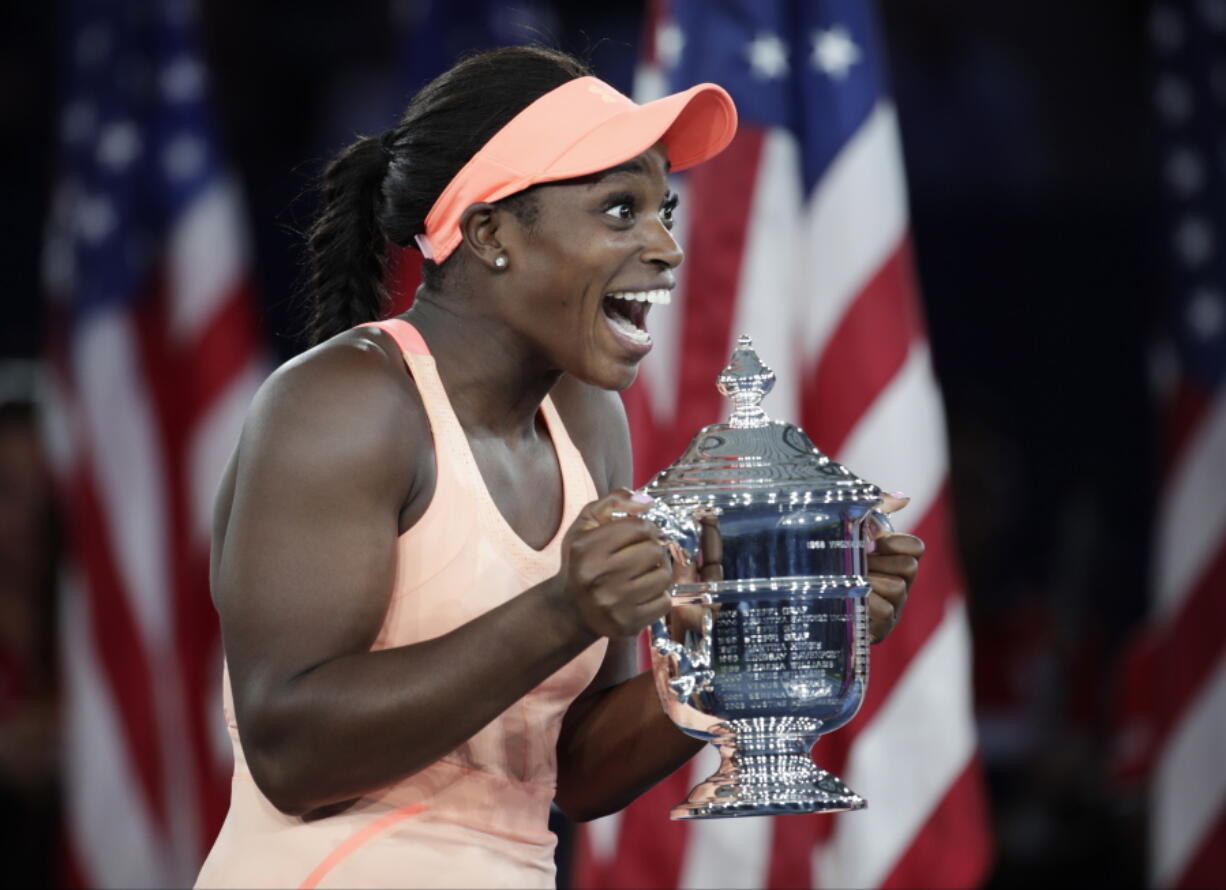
x,y
746,381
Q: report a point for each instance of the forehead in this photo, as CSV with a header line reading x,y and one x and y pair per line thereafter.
x,y
653,162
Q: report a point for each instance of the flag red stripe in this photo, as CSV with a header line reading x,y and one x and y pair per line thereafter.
x,y
658,843
224,349
791,854
1207,867
719,193
183,384
1189,647
940,848
1185,413
117,641
865,352
938,582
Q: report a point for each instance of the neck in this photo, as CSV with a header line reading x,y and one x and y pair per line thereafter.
x,y
494,379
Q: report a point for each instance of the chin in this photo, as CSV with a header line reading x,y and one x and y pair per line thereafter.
x,y
613,379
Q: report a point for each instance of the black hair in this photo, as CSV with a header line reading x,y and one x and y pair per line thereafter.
x,y
380,189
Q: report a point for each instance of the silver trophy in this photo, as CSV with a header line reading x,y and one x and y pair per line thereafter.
x,y
766,645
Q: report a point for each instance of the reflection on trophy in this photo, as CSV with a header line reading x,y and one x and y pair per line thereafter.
x,y
766,645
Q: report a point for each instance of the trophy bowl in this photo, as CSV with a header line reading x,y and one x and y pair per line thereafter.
x,y
765,647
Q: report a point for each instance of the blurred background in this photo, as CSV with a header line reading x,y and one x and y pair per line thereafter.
x,y
1063,167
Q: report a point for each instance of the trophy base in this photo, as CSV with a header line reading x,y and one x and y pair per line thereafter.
x,y
720,797
775,777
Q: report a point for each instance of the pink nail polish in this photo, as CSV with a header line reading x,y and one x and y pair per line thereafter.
x,y
900,495
642,497
870,545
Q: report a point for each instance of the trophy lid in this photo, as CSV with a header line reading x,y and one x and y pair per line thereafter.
x,y
752,453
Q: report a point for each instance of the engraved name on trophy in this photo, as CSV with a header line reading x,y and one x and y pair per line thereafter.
x,y
766,645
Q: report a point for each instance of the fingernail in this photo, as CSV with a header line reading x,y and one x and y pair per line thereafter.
x,y
642,497
870,545
900,495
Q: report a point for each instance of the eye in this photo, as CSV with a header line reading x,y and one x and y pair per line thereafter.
x,y
668,210
620,207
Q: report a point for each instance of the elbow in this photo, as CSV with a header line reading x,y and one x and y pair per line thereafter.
x,y
577,809
279,784
282,770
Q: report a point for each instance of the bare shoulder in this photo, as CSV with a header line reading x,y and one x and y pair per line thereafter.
x,y
347,399
343,411
596,422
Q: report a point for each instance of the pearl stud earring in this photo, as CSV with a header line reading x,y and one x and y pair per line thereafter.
x,y
501,262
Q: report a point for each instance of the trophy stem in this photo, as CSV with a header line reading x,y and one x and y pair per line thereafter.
x,y
765,770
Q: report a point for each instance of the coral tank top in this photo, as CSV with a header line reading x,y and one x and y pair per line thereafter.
x,y
477,817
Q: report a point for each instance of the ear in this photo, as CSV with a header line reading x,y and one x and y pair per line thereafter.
x,y
479,226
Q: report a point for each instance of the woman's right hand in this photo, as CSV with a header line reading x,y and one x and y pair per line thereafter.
x,y
616,569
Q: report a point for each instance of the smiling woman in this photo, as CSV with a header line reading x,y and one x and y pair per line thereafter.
x,y
427,565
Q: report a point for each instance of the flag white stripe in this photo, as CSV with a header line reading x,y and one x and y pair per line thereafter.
x,y
904,761
1189,783
113,832
900,443
215,438
771,270
207,258
856,219
602,835
58,423
1192,515
129,468
127,465
731,853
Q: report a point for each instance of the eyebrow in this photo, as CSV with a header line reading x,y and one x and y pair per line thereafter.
x,y
634,165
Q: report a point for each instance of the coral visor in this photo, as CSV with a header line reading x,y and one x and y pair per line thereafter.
x,y
582,127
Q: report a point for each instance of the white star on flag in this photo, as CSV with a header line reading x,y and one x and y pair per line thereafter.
x,y
768,57
669,43
834,52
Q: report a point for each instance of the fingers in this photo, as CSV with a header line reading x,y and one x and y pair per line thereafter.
x,y
893,501
607,508
905,545
616,566
882,616
712,544
640,560
892,568
904,567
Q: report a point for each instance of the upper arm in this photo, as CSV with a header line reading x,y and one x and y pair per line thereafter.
x,y
309,547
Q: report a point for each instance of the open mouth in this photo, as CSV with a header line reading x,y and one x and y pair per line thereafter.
x,y
627,313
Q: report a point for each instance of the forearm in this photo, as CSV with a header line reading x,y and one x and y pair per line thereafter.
x,y
615,747
363,721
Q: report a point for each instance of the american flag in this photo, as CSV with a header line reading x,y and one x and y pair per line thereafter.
x,y
1186,652
798,235
155,357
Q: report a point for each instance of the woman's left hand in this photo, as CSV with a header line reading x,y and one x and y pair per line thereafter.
x,y
893,563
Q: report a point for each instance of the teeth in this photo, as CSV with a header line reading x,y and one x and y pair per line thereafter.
x,y
628,330
662,296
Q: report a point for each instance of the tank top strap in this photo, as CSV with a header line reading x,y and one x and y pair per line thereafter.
x,y
450,443
452,448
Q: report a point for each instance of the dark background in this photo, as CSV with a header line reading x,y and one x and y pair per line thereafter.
x,y
1032,165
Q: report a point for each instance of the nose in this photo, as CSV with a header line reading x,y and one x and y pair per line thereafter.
x,y
661,247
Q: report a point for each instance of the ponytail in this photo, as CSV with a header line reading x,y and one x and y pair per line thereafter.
x,y
380,190
346,244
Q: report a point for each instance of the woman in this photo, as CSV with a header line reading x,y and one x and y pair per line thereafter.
x,y
427,602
